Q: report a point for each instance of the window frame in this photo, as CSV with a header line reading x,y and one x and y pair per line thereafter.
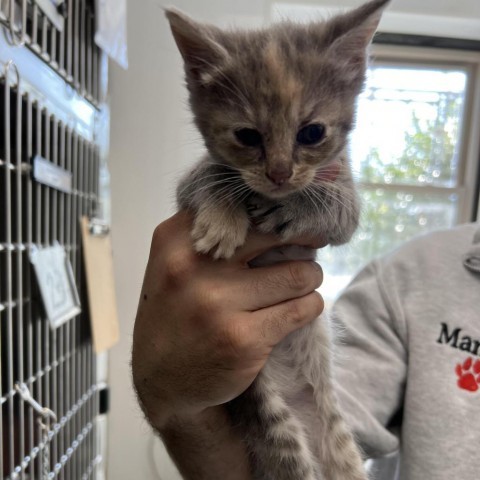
x,y
468,181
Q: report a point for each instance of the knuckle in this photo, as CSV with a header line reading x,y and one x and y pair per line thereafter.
x,y
159,236
211,300
257,285
233,342
298,278
178,267
275,325
305,309
319,303
295,312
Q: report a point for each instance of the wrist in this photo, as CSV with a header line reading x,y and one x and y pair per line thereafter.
x,y
161,412
210,420
205,446
157,409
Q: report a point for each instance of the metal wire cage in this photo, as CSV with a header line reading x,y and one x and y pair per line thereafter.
x,y
41,115
61,33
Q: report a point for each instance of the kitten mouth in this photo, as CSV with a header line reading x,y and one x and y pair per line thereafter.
x,y
282,189
271,190
276,191
328,173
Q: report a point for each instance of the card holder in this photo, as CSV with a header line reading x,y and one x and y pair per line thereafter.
x,y
102,304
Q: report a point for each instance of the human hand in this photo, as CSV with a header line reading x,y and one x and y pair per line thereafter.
x,y
205,328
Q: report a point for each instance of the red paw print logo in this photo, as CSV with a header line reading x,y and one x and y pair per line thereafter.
x,y
468,374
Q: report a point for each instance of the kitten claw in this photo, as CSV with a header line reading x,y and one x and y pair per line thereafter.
x,y
214,235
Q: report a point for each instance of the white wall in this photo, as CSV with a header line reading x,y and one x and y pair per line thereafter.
x,y
152,141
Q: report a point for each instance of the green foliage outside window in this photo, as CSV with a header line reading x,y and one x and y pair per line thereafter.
x,y
391,216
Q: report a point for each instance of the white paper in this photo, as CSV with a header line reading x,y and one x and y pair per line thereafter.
x,y
56,284
111,34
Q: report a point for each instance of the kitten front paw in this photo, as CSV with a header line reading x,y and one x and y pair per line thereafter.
x,y
271,217
219,234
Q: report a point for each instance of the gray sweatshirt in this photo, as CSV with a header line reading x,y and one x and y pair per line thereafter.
x,y
408,363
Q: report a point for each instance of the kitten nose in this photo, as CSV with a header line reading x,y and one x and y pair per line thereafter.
x,y
279,175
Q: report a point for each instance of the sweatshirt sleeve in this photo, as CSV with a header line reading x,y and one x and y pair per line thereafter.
x,y
370,361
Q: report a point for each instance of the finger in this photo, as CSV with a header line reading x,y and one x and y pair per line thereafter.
x,y
255,245
275,323
267,286
310,241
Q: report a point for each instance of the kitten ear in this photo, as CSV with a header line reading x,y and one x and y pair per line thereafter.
x,y
200,51
352,33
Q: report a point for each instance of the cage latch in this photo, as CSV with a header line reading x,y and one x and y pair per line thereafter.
x,y
46,416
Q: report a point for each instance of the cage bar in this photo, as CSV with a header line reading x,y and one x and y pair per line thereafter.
x,y
57,365
71,51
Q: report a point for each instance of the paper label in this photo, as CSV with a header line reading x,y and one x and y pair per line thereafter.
x,y
52,175
56,284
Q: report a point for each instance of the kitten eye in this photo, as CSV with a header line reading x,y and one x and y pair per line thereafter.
x,y
311,134
249,137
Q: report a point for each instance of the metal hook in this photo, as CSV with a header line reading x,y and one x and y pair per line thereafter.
x,y
11,23
98,228
10,65
45,413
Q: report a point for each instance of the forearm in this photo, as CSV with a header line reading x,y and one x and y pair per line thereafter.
x,y
201,442
205,447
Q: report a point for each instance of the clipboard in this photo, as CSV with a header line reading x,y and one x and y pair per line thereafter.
x,y
102,302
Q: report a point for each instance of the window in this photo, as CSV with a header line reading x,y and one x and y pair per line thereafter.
x,y
416,148
414,153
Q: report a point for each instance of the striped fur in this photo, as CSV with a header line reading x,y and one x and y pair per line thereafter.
x,y
289,416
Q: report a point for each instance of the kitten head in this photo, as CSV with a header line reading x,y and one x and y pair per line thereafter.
x,y
278,104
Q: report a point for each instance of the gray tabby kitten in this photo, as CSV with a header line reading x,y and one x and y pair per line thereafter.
x,y
275,108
